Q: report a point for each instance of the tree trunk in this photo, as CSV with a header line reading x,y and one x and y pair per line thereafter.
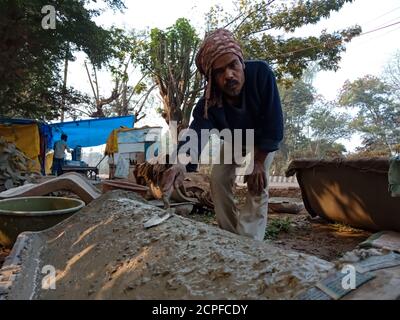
x,y
64,88
124,111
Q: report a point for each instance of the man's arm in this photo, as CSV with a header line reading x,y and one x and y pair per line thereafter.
x,y
173,177
269,131
198,123
67,148
260,155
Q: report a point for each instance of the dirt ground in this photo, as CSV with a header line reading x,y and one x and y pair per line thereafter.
x,y
301,232
317,237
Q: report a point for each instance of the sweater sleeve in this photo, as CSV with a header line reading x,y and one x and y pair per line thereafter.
x,y
198,123
269,131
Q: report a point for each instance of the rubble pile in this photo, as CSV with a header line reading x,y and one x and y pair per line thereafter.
x,y
15,167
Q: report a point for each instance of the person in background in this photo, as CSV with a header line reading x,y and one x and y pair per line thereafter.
x,y
59,153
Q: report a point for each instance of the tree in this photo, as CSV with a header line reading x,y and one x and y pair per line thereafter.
x,y
121,100
296,100
392,74
327,126
263,27
326,123
31,56
99,102
378,113
131,98
168,57
312,126
323,149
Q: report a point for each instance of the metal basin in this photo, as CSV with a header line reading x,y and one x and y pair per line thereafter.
x,y
33,214
353,192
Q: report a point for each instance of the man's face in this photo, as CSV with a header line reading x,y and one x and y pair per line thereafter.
x,y
228,73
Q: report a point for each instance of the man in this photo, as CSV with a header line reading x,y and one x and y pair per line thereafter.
x,y
59,153
239,95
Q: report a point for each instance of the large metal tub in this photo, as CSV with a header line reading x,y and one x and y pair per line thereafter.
x,y
33,214
354,192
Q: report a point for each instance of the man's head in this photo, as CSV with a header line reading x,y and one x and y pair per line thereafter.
x,y
64,137
220,52
228,74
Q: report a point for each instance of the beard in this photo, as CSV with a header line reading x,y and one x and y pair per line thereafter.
x,y
232,88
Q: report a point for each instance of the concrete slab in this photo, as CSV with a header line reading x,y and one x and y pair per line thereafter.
x,y
72,182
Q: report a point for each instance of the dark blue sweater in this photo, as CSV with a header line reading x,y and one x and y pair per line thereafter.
x,y
260,110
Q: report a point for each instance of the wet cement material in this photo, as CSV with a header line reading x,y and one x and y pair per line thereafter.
x,y
104,252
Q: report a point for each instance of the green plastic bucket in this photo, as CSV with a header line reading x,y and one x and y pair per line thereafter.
x,y
33,214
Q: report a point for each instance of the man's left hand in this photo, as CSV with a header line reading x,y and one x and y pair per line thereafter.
x,y
257,180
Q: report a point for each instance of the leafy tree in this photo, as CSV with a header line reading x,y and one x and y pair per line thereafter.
x,y
323,149
168,57
264,27
31,56
296,100
378,113
392,74
326,123
312,127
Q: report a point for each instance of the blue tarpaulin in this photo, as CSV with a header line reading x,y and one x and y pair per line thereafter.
x,y
90,133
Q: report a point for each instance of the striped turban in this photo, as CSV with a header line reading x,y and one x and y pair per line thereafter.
x,y
216,44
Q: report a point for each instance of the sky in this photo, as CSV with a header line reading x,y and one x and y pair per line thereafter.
x,y
367,54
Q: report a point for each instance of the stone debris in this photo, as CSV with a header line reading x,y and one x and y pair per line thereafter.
x,y
15,167
285,205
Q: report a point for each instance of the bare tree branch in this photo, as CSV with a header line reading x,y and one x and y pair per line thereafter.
x,y
96,82
262,6
134,88
90,80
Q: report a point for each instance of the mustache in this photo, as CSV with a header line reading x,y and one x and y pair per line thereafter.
x,y
231,83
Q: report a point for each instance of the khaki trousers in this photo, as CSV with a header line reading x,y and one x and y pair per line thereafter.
x,y
251,219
